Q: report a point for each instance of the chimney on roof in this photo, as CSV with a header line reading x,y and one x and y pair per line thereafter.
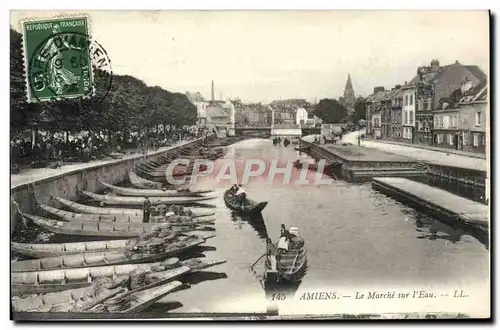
x,y
378,89
398,86
213,96
434,65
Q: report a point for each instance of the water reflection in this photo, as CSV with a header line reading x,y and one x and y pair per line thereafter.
x,y
256,221
433,229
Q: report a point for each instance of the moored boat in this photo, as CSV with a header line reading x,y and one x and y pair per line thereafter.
x,y
249,207
97,293
45,250
115,211
65,279
102,229
120,200
142,183
57,249
172,219
153,192
156,249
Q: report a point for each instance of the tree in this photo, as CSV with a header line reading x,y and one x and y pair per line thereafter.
x,y
122,103
330,111
359,109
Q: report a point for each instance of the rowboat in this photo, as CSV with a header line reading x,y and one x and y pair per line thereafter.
x,y
249,207
93,259
102,229
46,250
153,192
65,279
58,249
292,263
120,200
310,166
98,292
139,182
173,220
117,212
161,172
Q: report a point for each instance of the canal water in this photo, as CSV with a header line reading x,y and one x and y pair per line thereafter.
x,y
354,237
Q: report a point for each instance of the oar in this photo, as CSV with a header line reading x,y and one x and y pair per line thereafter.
x,y
258,260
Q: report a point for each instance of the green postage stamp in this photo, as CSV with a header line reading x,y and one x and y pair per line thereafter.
x,y
57,56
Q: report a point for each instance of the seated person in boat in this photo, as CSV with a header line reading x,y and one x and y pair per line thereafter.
x,y
233,189
241,195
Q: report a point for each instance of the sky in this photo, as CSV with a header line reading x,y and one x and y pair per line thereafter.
x,y
260,56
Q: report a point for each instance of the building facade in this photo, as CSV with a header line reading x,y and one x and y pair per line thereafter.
x,y
408,111
437,86
397,113
301,116
373,111
473,117
201,106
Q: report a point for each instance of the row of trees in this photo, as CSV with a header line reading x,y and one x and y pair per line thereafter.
x,y
332,112
129,105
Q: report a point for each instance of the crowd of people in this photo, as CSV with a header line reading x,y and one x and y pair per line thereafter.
x,y
29,148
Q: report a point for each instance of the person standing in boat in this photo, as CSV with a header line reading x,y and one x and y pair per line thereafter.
x,y
284,232
146,207
241,195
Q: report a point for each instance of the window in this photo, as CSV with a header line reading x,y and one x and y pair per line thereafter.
x,y
478,118
450,139
484,139
411,99
465,138
475,140
454,121
426,104
405,120
439,138
411,117
406,99
464,118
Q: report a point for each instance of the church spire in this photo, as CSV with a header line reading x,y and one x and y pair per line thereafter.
x,y
348,84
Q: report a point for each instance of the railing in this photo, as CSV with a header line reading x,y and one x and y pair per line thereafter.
x,y
290,126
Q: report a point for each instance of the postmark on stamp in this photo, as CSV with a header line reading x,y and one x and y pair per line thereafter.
x,y
60,59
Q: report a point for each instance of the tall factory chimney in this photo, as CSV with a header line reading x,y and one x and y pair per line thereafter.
x,y
213,95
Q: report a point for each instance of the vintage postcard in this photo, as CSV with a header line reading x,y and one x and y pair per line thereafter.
x,y
249,165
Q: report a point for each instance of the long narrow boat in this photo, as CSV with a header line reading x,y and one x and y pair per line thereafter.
x,y
65,279
162,170
120,200
174,220
249,207
45,250
102,229
50,302
93,259
292,263
115,211
142,183
61,249
153,192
